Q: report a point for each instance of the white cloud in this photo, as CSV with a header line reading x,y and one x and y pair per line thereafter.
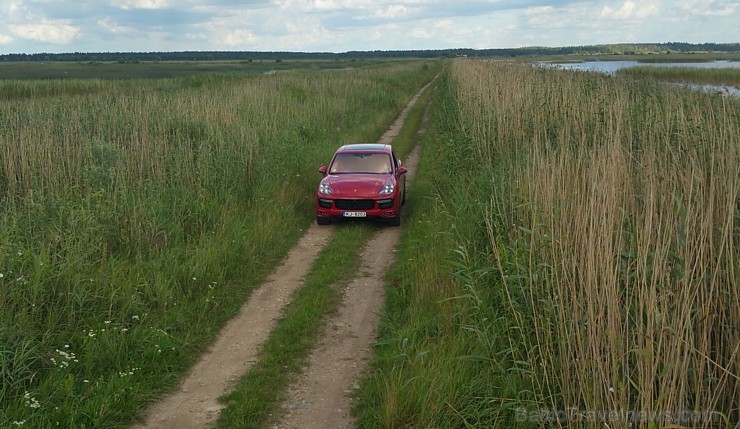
x,y
141,4
391,12
726,11
631,10
4,40
51,32
324,5
538,16
303,6
11,7
240,38
111,26
421,33
710,7
444,24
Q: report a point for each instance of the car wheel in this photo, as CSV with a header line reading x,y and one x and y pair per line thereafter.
x,y
403,198
322,220
395,221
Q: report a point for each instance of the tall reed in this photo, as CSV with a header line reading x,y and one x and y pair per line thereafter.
x,y
621,216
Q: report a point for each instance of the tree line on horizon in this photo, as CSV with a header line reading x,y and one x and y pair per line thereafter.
x,y
614,49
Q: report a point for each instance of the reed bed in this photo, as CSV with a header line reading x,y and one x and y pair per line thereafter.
x,y
718,76
613,223
136,216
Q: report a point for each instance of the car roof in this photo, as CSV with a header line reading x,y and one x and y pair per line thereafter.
x,y
365,147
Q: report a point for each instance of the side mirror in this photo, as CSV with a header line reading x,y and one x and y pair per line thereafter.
x,y
401,170
322,170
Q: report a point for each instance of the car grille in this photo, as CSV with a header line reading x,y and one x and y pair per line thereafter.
x,y
354,204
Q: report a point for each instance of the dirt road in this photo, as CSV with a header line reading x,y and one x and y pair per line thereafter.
x,y
195,404
321,397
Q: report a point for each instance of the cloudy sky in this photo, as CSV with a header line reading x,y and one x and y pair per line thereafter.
x,y
32,26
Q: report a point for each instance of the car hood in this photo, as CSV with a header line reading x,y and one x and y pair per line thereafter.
x,y
357,185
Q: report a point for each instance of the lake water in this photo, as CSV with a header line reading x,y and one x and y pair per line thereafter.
x,y
611,67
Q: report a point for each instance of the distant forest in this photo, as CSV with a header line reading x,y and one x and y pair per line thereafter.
x,y
613,49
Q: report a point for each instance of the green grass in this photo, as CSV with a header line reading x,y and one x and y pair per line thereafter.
x,y
169,69
256,398
136,217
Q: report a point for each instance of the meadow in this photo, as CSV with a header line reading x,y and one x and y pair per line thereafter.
x,y
28,70
570,259
136,215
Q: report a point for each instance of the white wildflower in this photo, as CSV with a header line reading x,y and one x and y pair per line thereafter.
x,y
31,402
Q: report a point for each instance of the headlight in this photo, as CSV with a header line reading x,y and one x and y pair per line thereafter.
x,y
387,189
325,189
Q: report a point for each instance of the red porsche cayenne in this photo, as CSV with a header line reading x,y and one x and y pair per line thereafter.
x,y
362,181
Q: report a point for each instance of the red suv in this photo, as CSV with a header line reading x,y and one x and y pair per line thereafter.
x,y
362,181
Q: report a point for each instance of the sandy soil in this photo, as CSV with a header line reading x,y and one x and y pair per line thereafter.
x,y
321,396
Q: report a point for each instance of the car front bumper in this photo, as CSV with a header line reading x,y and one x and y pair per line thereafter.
x,y
378,208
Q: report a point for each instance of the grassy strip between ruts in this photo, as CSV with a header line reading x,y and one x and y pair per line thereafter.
x,y
260,391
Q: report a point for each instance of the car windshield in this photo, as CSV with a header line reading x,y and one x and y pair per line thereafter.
x,y
377,163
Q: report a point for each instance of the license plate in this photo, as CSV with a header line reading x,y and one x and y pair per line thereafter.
x,y
354,214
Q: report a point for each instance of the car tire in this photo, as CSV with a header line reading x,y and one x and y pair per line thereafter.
x,y
403,198
322,220
395,221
